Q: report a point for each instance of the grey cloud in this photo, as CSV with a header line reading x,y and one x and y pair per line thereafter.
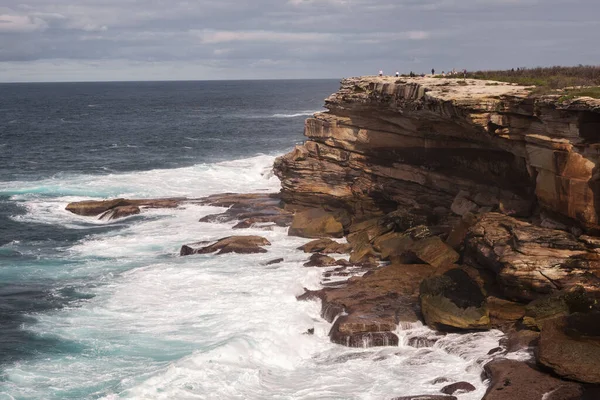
x,y
211,39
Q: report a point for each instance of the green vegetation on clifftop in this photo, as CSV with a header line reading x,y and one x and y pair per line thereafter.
x,y
582,80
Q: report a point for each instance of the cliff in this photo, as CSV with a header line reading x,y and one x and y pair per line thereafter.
x,y
480,198
418,142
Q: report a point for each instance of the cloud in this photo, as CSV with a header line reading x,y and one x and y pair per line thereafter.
x,y
299,38
21,23
212,37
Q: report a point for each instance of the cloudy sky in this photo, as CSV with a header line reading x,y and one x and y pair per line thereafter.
x,y
82,40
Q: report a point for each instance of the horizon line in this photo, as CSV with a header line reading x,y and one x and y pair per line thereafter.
x,y
174,80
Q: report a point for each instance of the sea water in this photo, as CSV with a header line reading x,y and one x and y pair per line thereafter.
x,y
94,309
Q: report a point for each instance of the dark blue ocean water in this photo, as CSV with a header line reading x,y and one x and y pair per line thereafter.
x,y
52,133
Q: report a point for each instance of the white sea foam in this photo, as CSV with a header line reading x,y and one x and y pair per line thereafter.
x,y
207,327
294,115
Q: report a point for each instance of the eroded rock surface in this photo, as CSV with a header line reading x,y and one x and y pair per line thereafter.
x,y
116,208
374,304
530,261
231,244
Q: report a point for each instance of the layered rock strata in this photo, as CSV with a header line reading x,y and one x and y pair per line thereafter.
x,y
418,142
484,194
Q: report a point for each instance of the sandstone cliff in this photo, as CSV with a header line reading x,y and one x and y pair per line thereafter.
x,y
484,194
418,142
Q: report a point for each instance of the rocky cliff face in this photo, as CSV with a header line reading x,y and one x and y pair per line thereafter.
x,y
484,194
418,142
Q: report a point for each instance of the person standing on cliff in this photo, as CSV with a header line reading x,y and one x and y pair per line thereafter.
x,y
380,73
397,74
432,71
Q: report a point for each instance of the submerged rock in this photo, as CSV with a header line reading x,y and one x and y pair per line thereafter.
x,y
275,261
121,207
230,244
458,387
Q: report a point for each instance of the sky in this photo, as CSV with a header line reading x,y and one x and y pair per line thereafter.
x,y
100,40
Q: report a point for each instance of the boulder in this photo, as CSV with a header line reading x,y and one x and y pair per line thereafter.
x,y
570,346
392,246
510,380
518,339
558,304
120,212
230,244
362,250
320,260
373,304
434,252
504,311
94,207
458,387
325,246
453,300
315,223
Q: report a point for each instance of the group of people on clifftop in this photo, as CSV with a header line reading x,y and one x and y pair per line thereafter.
x,y
452,73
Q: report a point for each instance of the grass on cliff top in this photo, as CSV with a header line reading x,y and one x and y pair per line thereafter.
x,y
548,80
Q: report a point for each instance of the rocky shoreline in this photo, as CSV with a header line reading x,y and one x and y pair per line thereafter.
x,y
467,205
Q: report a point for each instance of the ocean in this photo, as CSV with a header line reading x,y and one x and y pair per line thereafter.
x,y
94,309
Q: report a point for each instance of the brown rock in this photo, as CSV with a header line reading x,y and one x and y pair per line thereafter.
x,y
458,387
512,380
320,260
274,261
571,346
504,311
453,300
92,207
392,246
315,223
374,303
434,252
230,244
558,304
120,212
325,246
520,339
529,261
